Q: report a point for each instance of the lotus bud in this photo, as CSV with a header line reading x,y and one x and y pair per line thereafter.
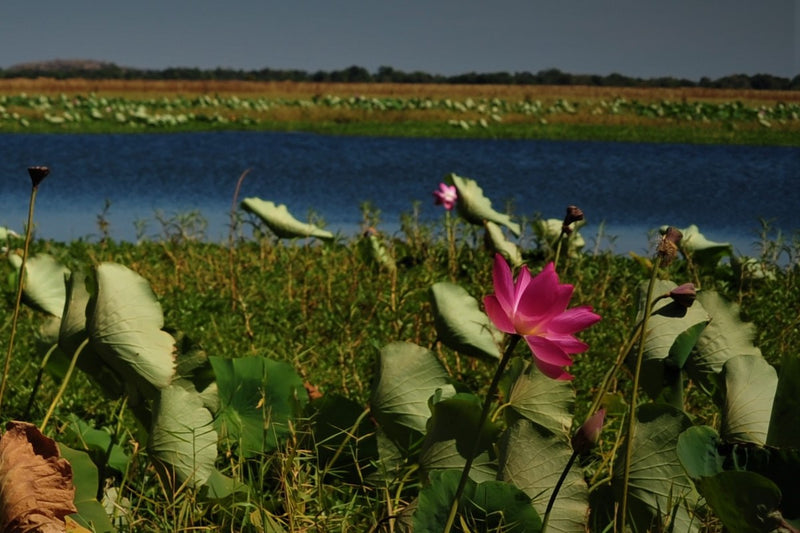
x,y
37,174
589,434
668,246
684,295
574,214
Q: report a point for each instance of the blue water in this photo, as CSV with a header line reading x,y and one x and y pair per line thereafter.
x,y
631,187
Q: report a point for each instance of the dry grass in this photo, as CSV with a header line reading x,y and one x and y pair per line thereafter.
x,y
287,89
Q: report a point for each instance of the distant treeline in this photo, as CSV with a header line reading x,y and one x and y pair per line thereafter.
x,y
61,69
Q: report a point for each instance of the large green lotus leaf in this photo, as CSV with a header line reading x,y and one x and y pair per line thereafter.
x,y
703,251
408,375
784,425
670,334
725,336
183,437
544,401
258,397
549,230
124,322
44,288
487,506
750,384
451,434
281,222
745,502
91,513
503,246
460,323
698,452
474,207
533,459
658,482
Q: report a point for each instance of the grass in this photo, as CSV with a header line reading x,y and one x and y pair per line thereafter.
x,y
327,310
519,112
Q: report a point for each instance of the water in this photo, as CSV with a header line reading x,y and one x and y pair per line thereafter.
x,y
631,187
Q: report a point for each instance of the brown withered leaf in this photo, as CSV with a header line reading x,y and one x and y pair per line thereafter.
x,y
36,490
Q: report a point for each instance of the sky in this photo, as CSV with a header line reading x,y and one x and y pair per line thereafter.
x,y
641,38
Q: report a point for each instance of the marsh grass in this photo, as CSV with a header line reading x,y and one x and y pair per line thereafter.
x,y
327,311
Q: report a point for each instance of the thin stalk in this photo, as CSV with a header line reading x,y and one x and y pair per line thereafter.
x,y
20,282
451,244
623,352
635,394
64,384
487,405
38,381
558,246
557,488
231,238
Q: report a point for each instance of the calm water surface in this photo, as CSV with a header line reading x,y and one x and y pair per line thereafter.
x,y
631,187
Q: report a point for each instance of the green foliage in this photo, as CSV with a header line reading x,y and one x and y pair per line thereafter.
x,y
393,417
258,399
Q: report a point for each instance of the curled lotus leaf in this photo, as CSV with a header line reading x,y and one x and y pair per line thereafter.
x,y
281,222
44,288
124,321
501,245
475,208
36,490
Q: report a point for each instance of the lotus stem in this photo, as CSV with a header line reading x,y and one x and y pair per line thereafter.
x,y
38,382
20,284
635,394
561,238
556,489
64,384
487,405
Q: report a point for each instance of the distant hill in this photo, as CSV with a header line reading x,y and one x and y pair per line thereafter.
x,y
93,69
62,65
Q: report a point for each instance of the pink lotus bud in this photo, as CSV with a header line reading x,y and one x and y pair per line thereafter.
x,y
589,434
684,295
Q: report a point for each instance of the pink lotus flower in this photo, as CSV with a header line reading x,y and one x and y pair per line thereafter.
x,y
536,309
446,196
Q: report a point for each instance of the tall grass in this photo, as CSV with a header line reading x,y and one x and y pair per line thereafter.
x,y
327,311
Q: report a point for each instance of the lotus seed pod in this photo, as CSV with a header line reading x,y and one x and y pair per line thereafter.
x,y
37,174
668,246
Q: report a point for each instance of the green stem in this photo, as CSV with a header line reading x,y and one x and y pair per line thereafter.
x,y
624,351
17,305
64,384
451,244
38,381
556,489
487,405
635,394
558,247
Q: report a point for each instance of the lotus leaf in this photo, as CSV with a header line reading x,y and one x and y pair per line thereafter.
x,y
658,485
183,437
44,283
258,397
475,208
460,323
124,322
281,222
503,246
408,375
750,383
533,459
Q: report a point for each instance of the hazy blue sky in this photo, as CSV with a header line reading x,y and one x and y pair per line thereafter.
x,y
645,38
